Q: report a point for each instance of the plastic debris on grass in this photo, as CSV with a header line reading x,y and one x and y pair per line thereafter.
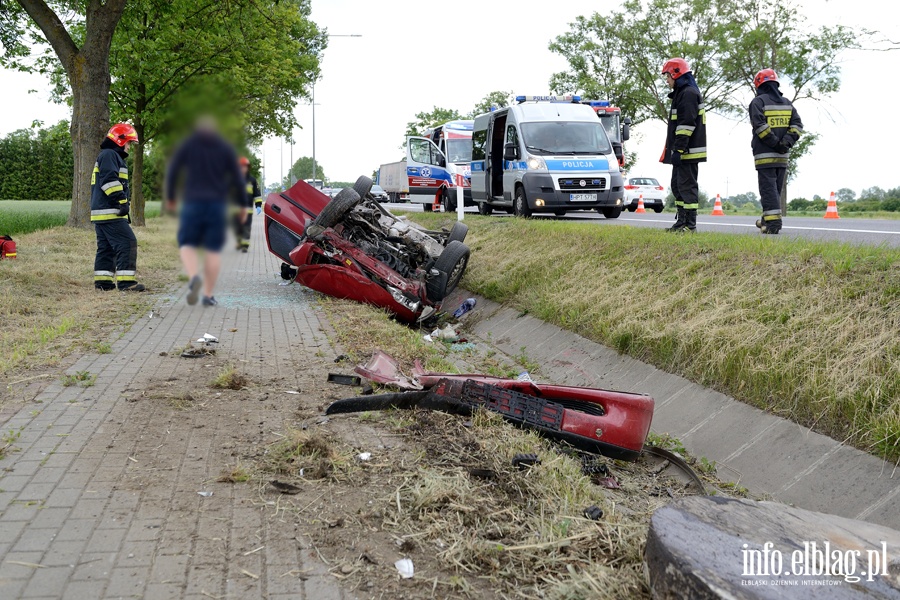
x,y
405,568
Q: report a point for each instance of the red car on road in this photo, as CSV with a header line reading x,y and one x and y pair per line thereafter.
x,y
351,247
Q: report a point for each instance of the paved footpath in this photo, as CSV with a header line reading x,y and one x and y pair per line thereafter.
x,y
100,500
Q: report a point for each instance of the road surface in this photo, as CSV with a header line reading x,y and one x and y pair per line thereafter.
x,y
873,232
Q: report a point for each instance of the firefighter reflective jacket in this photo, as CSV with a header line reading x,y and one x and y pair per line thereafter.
x,y
687,123
109,186
776,127
254,196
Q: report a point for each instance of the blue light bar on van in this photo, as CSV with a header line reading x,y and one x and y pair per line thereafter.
x,y
521,99
599,103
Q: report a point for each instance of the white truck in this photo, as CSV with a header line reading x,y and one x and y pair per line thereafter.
x,y
393,180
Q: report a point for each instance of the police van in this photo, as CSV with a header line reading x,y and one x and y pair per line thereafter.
x,y
545,154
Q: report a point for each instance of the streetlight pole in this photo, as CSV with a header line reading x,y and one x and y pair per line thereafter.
x,y
314,169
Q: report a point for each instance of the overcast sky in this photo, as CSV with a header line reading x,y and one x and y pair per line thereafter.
x,y
414,55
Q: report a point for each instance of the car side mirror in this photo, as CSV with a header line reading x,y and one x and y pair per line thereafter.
x,y
626,129
510,152
440,160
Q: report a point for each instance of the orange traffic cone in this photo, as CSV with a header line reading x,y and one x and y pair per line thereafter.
x,y
640,208
831,212
717,209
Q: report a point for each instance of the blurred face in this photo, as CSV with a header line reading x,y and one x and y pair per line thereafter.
x,y
670,81
128,145
245,169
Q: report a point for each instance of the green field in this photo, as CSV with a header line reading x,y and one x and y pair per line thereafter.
x,y
18,217
806,330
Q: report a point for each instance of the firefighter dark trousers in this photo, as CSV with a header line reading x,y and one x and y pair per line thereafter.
x,y
116,260
242,232
684,185
771,182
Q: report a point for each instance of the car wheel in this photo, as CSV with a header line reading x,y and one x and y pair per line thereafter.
x,y
559,213
520,204
657,209
362,186
632,208
610,213
457,233
451,265
485,209
427,207
333,212
449,201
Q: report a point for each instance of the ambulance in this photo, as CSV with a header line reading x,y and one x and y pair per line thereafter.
x,y
433,162
544,154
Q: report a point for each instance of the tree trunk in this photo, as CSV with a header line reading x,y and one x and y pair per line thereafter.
x,y
138,218
90,121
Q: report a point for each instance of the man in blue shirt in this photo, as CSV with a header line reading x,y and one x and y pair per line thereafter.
x,y
205,167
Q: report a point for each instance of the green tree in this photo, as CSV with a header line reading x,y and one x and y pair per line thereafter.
x,y
845,195
426,120
172,61
618,55
303,169
36,163
79,35
497,98
872,193
744,199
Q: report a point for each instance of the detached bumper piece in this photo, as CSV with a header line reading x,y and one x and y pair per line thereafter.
x,y
613,430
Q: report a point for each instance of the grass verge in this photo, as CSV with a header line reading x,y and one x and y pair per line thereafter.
x,y
18,217
49,308
806,330
519,532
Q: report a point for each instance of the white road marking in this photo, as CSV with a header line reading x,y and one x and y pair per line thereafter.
x,y
721,224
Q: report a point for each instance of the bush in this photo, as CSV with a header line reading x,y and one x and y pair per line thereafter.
x,y
801,204
862,206
891,204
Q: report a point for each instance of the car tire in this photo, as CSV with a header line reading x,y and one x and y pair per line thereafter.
x,y
335,210
451,265
363,186
426,207
610,213
520,204
559,213
657,209
485,209
457,233
632,208
449,201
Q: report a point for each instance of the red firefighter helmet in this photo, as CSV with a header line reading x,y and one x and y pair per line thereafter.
x,y
244,161
122,133
676,67
764,76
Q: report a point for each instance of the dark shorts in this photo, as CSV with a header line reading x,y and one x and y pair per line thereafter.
x,y
203,225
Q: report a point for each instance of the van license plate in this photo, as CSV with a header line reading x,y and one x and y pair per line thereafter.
x,y
582,197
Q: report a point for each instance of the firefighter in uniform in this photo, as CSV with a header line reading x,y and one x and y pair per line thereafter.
x,y
116,259
253,197
685,142
776,128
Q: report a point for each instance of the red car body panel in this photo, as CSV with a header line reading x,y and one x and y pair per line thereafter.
x,y
341,282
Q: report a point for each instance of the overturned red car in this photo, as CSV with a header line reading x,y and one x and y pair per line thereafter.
x,y
351,247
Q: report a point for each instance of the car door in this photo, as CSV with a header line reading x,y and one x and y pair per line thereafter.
x,y
426,169
511,168
477,166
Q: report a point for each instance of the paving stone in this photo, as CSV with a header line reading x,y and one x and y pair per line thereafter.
x,y
103,492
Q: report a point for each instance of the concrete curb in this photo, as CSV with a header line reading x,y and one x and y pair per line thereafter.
x,y
762,452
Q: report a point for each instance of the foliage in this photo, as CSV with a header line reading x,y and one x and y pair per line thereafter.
x,y
37,163
428,119
618,55
845,195
747,198
436,116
